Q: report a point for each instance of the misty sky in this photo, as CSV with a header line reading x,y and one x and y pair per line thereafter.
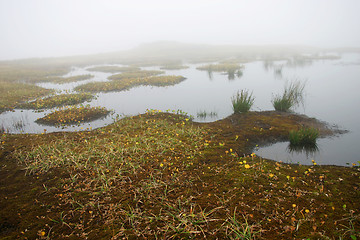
x,y
41,28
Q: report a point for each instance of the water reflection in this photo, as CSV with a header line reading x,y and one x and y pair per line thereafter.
x,y
297,62
309,150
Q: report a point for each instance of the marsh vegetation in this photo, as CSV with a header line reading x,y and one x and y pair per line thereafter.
x,y
242,101
292,96
12,94
73,115
181,180
127,83
161,174
57,101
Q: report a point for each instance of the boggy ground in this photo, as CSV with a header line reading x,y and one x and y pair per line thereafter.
x,y
161,176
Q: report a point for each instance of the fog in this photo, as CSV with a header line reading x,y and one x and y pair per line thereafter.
x,y
43,28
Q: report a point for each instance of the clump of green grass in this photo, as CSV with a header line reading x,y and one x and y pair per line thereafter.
x,y
303,137
73,115
292,96
242,101
57,100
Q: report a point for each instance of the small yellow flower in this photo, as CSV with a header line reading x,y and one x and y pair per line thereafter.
x,y
247,166
161,165
294,205
271,175
307,210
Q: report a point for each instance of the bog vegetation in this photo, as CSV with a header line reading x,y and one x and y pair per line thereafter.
x,y
160,175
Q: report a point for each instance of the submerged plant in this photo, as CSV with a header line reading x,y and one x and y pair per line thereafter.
x,y
303,137
293,96
242,101
203,114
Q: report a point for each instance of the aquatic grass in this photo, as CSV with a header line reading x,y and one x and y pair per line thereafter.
x,y
57,101
127,83
242,101
204,114
73,115
292,96
303,137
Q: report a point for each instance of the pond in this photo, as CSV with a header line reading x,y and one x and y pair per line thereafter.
x,y
331,96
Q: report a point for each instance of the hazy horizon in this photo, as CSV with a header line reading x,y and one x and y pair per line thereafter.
x,y
43,28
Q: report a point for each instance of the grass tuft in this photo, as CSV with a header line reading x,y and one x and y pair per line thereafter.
x,y
303,137
242,101
293,96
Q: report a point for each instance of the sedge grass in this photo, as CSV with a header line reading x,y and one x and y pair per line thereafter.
x,y
242,101
292,96
303,137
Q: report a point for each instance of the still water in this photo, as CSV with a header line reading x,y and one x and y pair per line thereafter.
x,y
331,96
